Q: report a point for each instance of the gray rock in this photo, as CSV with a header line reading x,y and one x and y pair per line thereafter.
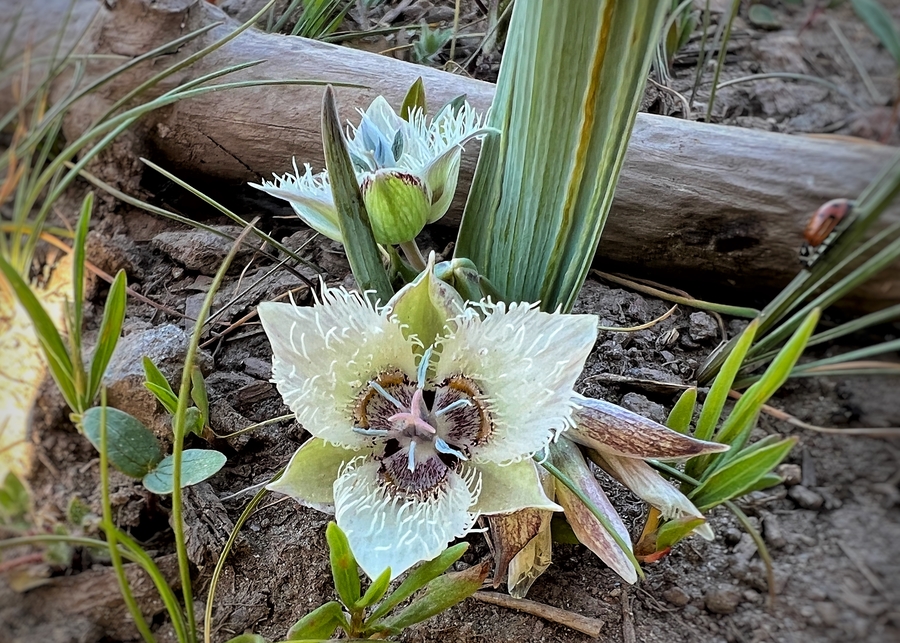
x,y
702,327
642,406
723,599
166,346
772,532
791,473
806,498
261,369
199,249
677,596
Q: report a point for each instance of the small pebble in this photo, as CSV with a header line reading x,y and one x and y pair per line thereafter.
x,y
702,327
642,406
772,532
724,599
806,498
677,596
790,473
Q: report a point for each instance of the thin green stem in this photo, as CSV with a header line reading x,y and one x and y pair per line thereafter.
x,y
413,255
603,520
220,564
109,528
178,433
720,61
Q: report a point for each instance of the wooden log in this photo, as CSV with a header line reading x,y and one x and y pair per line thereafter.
x,y
710,208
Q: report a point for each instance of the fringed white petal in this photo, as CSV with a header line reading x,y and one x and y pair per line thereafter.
x,y
385,530
525,362
324,356
309,195
652,488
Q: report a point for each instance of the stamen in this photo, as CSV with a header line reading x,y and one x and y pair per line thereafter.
x,y
442,447
453,406
422,373
390,398
411,457
372,433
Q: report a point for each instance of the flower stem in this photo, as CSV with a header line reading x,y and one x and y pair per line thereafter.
x,y
111,532
413,255
178,433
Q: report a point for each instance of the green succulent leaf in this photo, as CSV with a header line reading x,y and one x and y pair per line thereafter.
x,y
419,577
676,530
318,624
683,412
55,350
131,447
159,386
196,466
741,474
440,594
880,22
343,565
200,397
108,337
376,590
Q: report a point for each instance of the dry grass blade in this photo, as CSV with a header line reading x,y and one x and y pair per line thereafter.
x,y
649,324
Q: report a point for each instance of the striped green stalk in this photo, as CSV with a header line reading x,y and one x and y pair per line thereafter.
x,y
570,85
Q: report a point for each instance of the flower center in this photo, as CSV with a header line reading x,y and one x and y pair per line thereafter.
x,y
425,433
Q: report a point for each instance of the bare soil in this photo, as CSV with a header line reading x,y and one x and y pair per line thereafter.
x,y
833,533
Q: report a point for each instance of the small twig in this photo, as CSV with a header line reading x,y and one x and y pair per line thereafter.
x,y
628,635
577,622
784,416
20,561
863,568
860,68
685,105
649,324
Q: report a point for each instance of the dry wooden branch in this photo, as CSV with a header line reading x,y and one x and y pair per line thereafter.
x,y
701,206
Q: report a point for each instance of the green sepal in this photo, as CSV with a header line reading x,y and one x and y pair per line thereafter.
x,y
398,205
200,397
343,565
196,466
130,446
318,624
426,305
414,100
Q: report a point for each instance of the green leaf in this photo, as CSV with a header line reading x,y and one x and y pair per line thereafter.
x,y
415,99
77,303
200,397
159,386
247,638
766,482
676,530
318,624
441,593
51,341
196,466
740,475
343,565
376,590
419,577
763,17
130,446
193,420
108,337
683,412
740,422
166,398
14,500
882,25
542,190
356,231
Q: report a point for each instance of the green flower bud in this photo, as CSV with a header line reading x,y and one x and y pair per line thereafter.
x,y
398,204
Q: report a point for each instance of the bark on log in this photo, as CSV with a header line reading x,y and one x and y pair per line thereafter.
x,y
701,206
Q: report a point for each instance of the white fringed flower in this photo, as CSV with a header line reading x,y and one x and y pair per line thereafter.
x,y
424,413
407,171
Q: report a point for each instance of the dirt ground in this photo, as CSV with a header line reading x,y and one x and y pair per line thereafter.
x,y
833,531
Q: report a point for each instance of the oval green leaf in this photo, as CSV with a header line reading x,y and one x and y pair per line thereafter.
x,y
130,446
196,466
